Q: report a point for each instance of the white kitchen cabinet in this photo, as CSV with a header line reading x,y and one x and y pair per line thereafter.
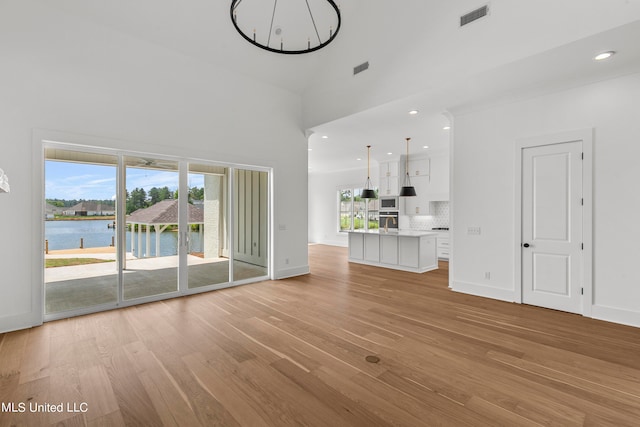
x,y
418,253
372,247
419,167
443,245
419,204
388,179
388,249
406,250
356,246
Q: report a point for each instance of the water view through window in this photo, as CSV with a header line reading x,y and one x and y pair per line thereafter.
x,y
165,244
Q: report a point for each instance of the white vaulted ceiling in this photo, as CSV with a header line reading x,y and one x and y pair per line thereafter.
x,y
419,58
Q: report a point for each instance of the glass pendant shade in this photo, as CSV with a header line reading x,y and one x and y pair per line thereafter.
x,y
368,192
407,189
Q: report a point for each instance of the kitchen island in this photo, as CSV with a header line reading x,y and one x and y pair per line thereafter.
x,y
406,250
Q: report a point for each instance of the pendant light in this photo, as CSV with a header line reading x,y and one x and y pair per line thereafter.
x,y
407,189
368,192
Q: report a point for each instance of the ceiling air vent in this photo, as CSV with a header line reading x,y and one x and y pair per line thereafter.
x,y
360,68
474,15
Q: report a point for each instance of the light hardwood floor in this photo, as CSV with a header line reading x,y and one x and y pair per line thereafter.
x,y
292,352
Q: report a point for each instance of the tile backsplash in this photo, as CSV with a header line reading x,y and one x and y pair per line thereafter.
x,y
439,218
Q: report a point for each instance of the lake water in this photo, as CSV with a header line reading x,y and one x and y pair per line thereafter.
x,y
96,234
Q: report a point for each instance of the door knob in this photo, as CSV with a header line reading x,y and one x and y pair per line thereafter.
x,y
526,245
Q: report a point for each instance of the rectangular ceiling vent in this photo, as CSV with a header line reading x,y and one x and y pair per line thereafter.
x,y
474,15
360,68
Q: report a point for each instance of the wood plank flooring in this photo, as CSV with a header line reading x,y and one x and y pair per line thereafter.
x,y
292,352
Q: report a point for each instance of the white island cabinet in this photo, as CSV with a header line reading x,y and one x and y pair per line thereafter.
x,y
403,250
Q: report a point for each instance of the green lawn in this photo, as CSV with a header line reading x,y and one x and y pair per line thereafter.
x,y
65,262
358,224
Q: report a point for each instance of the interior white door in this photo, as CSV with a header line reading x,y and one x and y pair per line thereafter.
x,y
552,226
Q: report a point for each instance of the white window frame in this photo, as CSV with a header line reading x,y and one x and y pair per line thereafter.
x,y
353,189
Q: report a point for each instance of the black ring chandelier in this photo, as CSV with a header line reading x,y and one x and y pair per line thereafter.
x,y
289,27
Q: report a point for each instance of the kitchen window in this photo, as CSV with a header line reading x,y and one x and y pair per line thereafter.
x,y
356,213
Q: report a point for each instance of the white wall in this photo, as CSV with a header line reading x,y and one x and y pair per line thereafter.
x,y
323,203
483,190
67,75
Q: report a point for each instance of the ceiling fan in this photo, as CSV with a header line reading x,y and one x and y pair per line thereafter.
x,y
146,163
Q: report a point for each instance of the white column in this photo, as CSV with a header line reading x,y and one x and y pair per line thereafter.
x,y
147,248
133,239
139,242
158,231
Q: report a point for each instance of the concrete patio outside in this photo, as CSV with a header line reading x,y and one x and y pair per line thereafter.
x,y
75,287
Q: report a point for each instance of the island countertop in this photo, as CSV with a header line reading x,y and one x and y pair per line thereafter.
x,y
403,233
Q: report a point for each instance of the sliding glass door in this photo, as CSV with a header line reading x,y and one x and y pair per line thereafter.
x,y
151,261
80,256
123,229
208,242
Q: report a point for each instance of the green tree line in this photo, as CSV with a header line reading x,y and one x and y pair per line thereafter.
x,y
138,198
63,203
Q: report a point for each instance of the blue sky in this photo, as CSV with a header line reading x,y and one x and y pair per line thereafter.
x,y
69,181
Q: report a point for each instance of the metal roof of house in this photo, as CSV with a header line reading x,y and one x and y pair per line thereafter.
x,y
165,212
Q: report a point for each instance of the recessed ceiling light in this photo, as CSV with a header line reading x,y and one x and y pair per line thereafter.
x,y
604,55
358,159
309,149
389,154
446,128
426,146
325,137
413,112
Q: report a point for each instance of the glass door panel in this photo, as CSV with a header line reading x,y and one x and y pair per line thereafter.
x,y
81,268
208,248
152,238
250,224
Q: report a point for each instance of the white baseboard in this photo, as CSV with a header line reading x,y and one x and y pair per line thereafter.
x,y
291,272
483,291
616,315
338,243
17,322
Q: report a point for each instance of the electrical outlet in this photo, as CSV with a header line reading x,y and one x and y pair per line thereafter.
x,y
286,260
473,231
282,227
487,275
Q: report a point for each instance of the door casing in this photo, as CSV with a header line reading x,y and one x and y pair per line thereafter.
x,y
586,136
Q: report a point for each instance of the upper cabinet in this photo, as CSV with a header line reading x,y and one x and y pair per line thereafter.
x,y
419,167
418,205
430,177
388,179
439,185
